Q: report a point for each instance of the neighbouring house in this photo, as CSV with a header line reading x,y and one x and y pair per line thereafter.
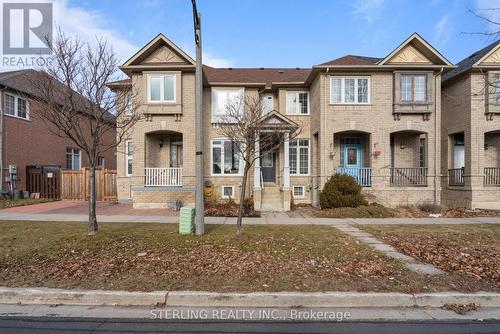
x,y
377,119
471,131
27,141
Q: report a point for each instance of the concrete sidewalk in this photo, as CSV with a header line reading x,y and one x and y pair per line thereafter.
x,y
266,219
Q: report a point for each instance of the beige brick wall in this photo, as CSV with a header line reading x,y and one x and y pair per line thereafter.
x,y
464,108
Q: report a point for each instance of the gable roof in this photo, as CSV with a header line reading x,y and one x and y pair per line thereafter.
x,y
152,46
256,76
468,63
429,51
276,120
353,60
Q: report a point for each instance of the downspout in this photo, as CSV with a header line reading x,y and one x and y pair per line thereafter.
x,y
436,143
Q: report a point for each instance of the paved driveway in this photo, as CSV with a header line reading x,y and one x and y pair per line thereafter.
x,y
81,208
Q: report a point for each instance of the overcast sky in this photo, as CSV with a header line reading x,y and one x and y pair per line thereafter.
x,y
283,33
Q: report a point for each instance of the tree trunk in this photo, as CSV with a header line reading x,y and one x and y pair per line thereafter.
x,y
92,225
242,200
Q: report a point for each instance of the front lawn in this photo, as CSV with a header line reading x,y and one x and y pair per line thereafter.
x,y
471,251
154,257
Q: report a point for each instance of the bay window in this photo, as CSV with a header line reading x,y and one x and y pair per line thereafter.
x,y
297,103
413,87
349,90
161,87
299,157
226,157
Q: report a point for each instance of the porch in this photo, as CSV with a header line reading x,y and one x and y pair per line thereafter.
x,y
408,159
163,159
492,159
351,154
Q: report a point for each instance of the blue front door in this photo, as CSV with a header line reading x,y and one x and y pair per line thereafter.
x,y
352,155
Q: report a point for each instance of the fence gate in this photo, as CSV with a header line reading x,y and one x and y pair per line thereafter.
x,y
75,184
44,180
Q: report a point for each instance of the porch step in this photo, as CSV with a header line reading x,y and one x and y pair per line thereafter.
x,y
272,199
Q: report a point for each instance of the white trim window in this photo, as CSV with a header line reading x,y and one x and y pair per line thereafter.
x,y
267,103
16,106
73,158
226,157
222,99
128,104
129,153
413,87
161,88
299,191
227,192
349,90
299,157
297,103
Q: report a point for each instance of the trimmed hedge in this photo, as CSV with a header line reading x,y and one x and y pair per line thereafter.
x,y
341,191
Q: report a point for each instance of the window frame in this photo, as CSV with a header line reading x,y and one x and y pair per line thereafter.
x,y
356,85
16,106
412,81
161,76
222,192
298,92
128,104
129,155
222,156
214,90
73,155
303,191
297,148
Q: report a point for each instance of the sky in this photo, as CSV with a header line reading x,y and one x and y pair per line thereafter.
x,y
283,33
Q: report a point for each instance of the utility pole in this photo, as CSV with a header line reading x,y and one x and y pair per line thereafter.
x,y
199,201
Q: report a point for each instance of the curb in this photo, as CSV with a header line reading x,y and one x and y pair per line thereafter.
x,y
34,296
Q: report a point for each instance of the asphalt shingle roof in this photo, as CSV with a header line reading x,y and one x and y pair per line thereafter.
x,y
466,63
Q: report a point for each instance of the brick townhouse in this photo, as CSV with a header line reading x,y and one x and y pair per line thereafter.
x,y
377,119
27,140
471,131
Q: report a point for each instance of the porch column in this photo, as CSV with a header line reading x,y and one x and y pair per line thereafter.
x,y
286,167
256,164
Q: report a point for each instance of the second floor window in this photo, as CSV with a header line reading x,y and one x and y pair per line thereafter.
x,y
496,84
225,100
161,88
73,159
297,103
128,157
413,87
15,106
128,104
350,90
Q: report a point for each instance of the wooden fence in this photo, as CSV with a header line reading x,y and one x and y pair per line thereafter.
x,y
75,184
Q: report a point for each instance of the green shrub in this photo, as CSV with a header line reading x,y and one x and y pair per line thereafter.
x,y
341,191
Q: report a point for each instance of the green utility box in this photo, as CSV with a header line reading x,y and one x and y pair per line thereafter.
x,y
186,220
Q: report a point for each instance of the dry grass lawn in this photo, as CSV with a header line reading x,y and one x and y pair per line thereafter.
x,y
154,257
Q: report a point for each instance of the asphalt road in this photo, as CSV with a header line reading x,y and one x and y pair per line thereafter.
x,y
21,325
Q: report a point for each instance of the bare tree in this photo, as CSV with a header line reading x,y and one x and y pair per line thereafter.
x,y
76,103
244,124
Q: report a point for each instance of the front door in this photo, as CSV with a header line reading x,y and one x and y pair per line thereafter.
x,y
352,160
268,166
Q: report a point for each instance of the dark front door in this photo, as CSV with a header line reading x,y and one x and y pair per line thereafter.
x,y
268,167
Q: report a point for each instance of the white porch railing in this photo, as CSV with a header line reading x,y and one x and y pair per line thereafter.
x,y
492,176
363,175
163,177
